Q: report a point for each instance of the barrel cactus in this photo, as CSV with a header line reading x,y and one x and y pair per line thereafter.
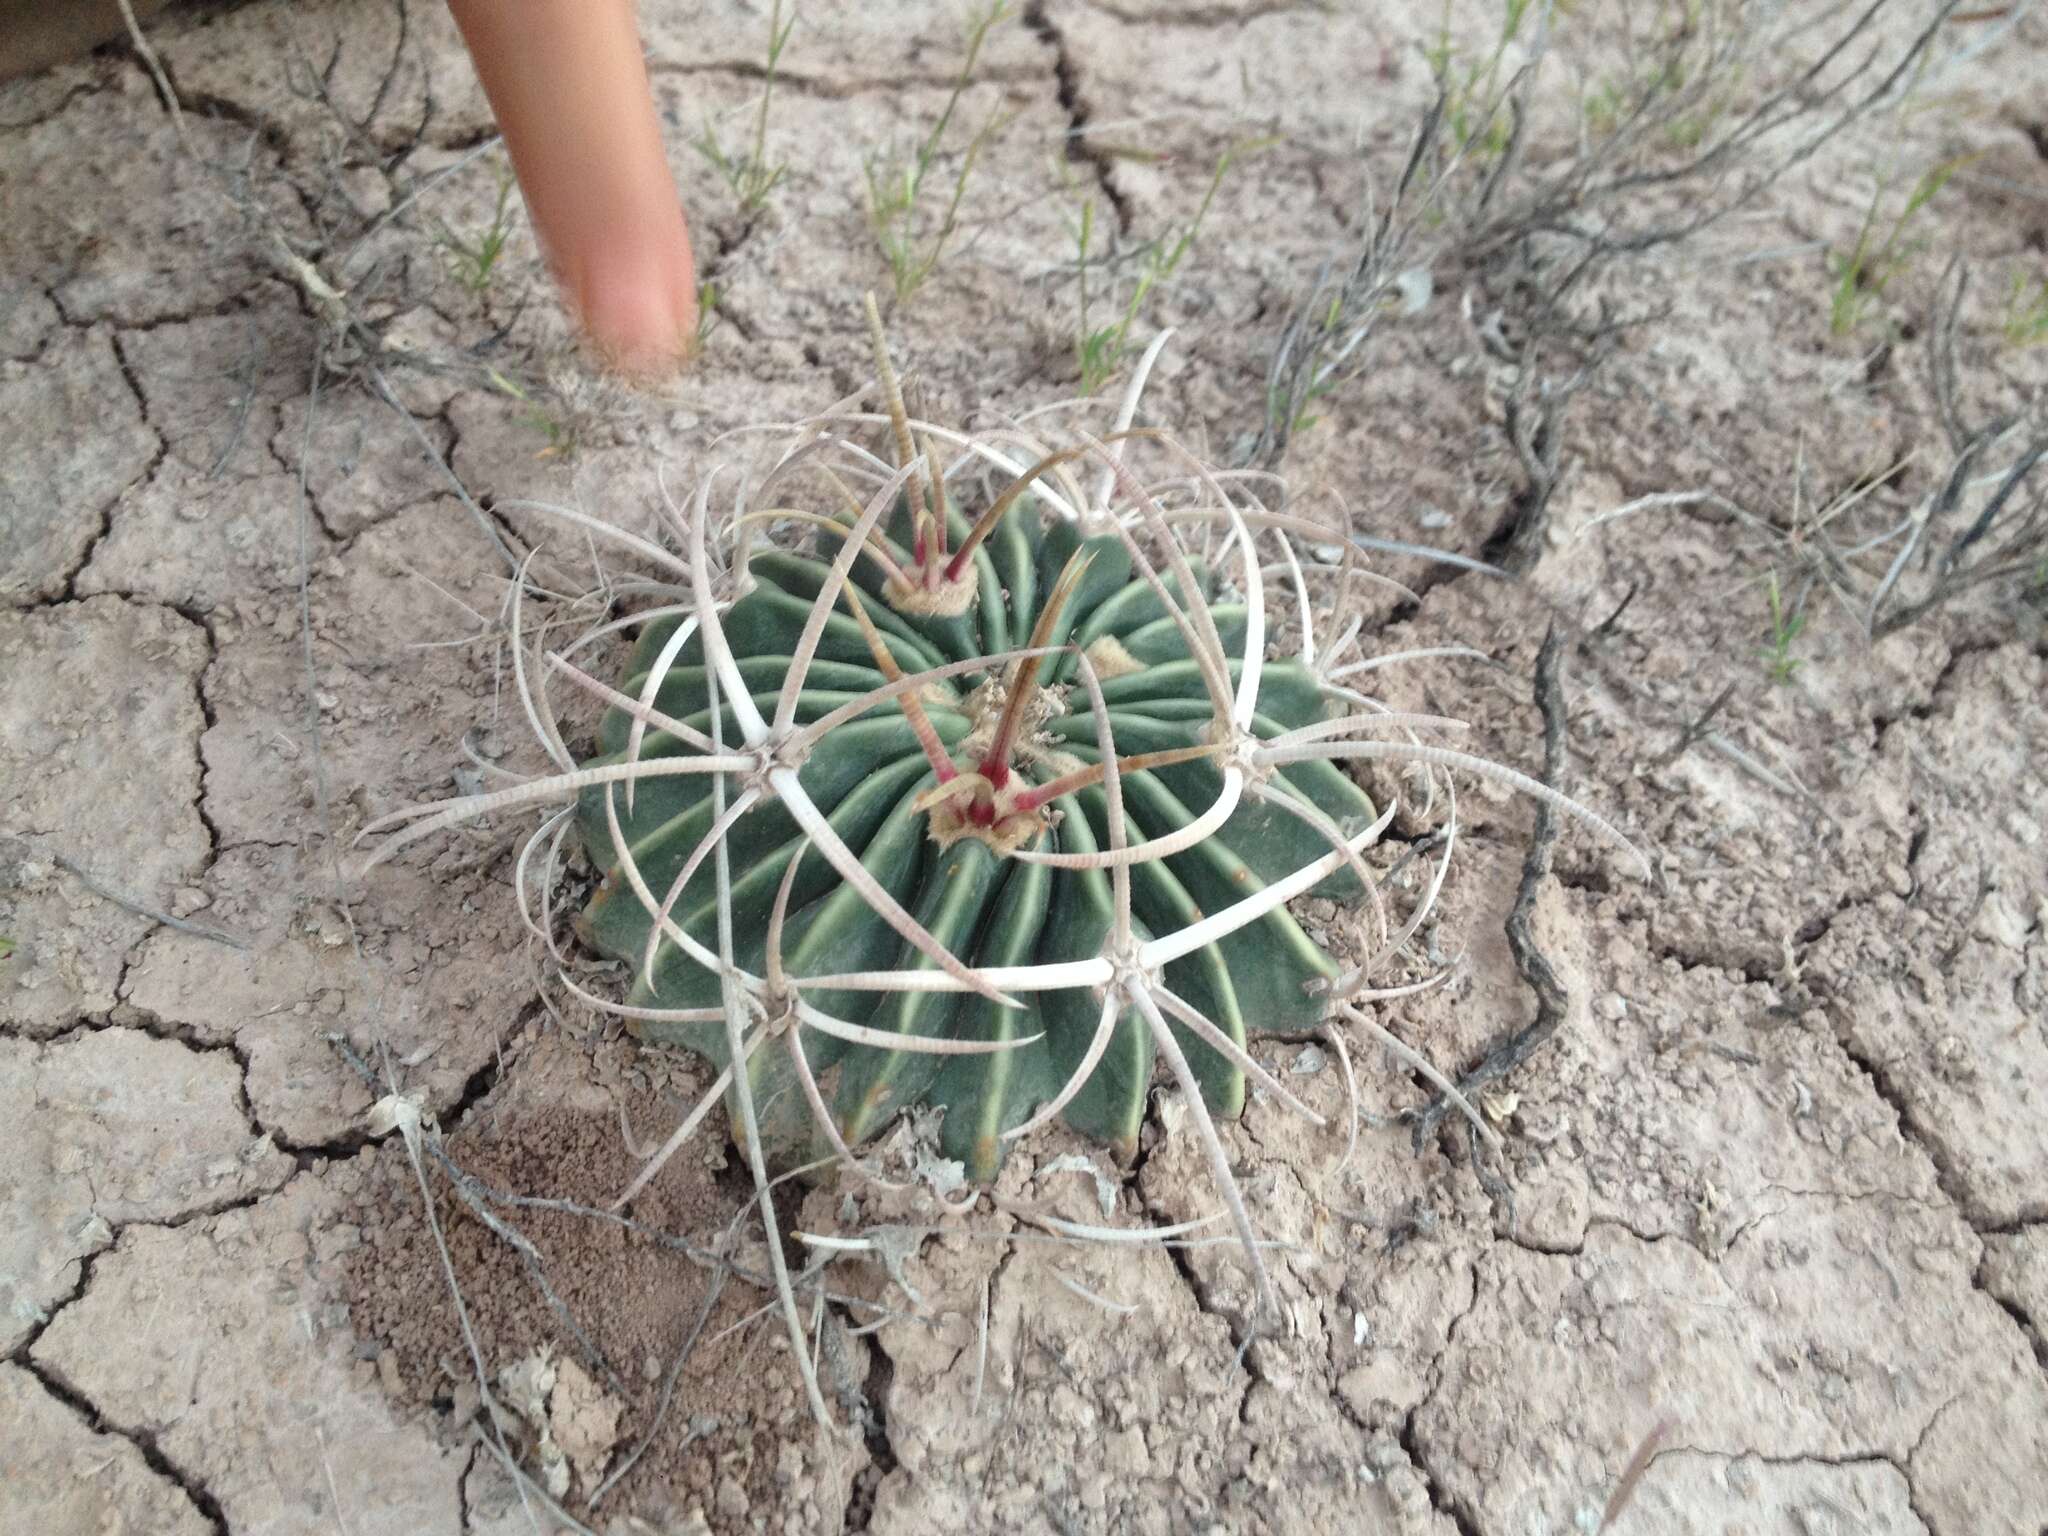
x,y
977,805
973,790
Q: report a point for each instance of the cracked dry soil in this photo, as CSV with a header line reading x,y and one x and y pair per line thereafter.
x,y
1779,1185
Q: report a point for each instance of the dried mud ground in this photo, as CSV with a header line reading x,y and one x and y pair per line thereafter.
x,y
1779,1186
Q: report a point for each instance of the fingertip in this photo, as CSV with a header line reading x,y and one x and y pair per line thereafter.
x,y
568,84
640,320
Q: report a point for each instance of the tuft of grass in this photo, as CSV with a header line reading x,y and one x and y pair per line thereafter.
x,y
1864,271
1671,96
1704,101
750,175
896,185
1100,350
2026,314
1471,87
6,947
555,427
1786,625
473,259
1407,293
708,295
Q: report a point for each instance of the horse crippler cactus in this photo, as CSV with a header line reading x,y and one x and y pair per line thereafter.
x,y
989,802
978,804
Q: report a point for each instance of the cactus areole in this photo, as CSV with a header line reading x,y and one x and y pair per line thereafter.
x,y
950,794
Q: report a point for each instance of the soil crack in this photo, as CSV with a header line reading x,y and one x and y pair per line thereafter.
x,y
19,1355
1948,1176
873,1418
1441,1499
1942,686
77,92
1178,1254
827,89
1080,150
69,592
2012,1309
1202,16
144,1441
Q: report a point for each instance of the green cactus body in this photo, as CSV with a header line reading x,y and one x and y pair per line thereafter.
x,y
874,784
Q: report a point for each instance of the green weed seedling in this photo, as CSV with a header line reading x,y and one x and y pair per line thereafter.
x,y
895,187
1303,416
1785,628
1471,87
473,259
1864,271
2026,314
708,295
750,175
1100,350
561,436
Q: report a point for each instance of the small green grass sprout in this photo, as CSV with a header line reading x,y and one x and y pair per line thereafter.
x,y
750,175
2026,313
895,186
561,435
473,259
1868,267
1100,350
1471,87
1786,625
708,295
